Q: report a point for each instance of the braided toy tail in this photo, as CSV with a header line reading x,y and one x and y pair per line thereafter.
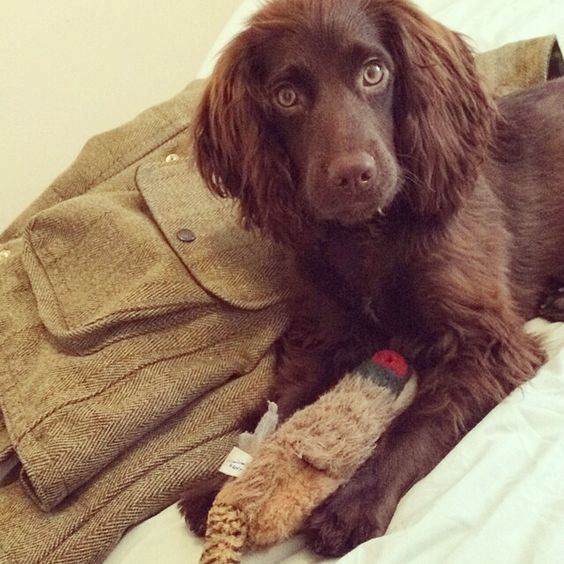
x,y
225,536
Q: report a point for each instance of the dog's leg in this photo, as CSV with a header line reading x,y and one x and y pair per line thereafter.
x,y
454,395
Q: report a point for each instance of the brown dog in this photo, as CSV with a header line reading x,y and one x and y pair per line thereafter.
x,y
427,216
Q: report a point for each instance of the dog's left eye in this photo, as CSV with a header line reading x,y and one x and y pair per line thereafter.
x,y
286,96
372,73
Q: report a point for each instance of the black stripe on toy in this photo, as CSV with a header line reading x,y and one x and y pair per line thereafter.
x,y
388,369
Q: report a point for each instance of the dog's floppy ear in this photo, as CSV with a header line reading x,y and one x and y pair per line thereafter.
x,y
237,150
444,117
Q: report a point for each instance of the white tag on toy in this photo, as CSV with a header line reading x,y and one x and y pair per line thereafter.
x,y
235,463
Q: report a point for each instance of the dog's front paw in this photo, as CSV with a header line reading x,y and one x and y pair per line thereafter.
x,y
343,522
196,504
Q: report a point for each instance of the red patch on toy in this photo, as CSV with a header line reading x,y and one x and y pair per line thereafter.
x,y
391,360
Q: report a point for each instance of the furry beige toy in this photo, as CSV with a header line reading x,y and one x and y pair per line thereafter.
x,y
298,466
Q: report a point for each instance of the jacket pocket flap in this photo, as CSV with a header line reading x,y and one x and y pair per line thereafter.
x,y
101,271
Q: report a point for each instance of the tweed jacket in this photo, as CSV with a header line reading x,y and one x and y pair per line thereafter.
x,y
137,321
137,329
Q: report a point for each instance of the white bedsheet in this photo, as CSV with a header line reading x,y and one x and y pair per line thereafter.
x,y
498,497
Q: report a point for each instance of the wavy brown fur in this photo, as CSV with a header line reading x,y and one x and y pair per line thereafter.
x,y
426,216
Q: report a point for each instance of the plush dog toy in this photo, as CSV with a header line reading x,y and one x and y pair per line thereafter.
x,y
298,466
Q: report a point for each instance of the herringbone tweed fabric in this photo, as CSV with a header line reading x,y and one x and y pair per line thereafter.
x,y
128,357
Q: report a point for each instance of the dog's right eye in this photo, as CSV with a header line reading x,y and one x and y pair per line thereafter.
x,y
372,73
286,96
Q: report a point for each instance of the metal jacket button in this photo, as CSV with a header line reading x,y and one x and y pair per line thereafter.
x,y
186,235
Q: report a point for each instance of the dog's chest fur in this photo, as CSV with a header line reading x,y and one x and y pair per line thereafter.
x,y
368,273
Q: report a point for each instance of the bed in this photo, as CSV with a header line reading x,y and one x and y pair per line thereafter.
x,y
498,497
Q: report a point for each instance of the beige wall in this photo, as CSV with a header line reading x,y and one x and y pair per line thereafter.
x,y
73,68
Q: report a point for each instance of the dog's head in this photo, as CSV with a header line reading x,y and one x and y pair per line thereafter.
x,y
340,110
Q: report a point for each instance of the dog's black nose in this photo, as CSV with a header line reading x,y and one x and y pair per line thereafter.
x,y
352,170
